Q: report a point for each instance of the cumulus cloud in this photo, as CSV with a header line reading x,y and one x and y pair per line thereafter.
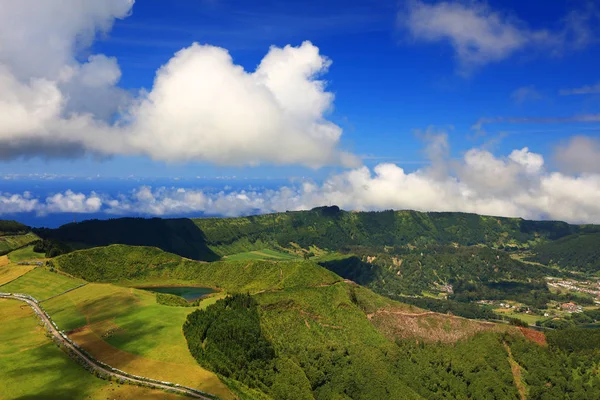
x,y
202,106
517,185
481,35
581,155
17,203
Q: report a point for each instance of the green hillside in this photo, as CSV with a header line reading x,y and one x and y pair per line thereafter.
x,y
579,252
8,227
134,265
12,242
179,236
334,229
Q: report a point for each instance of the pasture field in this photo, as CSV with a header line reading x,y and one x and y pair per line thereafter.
x,y
127,329
25,253
264,254
34,367
41,283
10,272
11,242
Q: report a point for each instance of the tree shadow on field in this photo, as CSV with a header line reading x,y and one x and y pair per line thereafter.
x,y
108,306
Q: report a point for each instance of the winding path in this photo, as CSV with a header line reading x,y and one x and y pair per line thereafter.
x,y
94,365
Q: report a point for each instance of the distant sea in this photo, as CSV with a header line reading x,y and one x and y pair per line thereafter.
x,y
43,188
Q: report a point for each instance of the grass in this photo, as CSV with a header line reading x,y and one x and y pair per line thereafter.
x,y
33,367
23,254
529,318
10,272
264,254
127,329
41,283
139,266
11,242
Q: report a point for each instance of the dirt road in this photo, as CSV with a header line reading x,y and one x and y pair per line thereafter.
x,y
95,365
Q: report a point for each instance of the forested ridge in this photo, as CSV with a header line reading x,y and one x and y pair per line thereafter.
x,y
334,229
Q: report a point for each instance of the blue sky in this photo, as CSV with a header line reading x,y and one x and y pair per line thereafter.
x,y
422,85
386,84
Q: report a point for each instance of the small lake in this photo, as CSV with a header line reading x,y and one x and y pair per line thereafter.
x,y
190,293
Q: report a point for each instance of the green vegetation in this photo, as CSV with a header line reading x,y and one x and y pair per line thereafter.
x,y
24,253
580,252
552,373
179,236
33,367
333,229
51,248
226,337
8,227
41,284
9,243
137,265
263,254
167,299
298,343
127,329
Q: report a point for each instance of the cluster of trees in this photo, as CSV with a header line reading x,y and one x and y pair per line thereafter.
x,y
8,227
586,318
227,338
51,248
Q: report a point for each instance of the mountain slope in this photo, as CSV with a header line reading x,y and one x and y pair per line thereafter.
x,y
334,229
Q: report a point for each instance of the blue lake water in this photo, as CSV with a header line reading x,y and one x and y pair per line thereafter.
x,y
190,293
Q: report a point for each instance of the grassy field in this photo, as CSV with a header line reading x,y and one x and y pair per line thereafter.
x,y
10,272
125,328
11,242
25,253
264,254
529,318
33,367
41,283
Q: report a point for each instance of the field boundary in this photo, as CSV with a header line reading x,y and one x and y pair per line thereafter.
x,y
66,291
95,366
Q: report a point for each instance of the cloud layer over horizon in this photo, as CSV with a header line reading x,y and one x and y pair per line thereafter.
x,y
518,185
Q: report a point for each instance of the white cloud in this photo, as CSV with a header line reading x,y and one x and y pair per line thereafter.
x,y
517,185
481,35
580,155
72,203
17,203
202,107
587,89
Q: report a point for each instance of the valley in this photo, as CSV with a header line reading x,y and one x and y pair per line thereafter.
x,y
252,316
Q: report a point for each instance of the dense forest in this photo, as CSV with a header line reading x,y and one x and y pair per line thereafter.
x,y
8,227
579,252
334,229
317,343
